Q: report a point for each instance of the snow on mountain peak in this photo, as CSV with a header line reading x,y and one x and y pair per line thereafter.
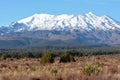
x,y
36,16
87,22
90,14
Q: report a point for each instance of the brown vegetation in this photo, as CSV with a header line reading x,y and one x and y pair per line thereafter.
x,y
105,67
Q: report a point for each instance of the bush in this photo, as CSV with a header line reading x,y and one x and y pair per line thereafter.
x,y
54,72
3,56
72,58
91,69
66,58
47,58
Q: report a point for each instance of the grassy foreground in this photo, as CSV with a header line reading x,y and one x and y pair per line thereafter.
x,y
105,67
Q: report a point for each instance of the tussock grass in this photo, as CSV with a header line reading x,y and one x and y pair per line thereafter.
x,y
105,67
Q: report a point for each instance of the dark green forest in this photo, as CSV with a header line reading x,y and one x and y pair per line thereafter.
x,y
57,51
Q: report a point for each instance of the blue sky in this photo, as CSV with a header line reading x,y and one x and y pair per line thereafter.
x,y
14,10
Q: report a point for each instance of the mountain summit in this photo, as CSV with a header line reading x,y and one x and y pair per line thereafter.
x,y
87,28
64,22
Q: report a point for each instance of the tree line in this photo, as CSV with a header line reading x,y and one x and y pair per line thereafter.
x,y
56,52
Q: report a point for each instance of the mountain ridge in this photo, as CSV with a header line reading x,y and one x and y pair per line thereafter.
x,y
46,29
63,22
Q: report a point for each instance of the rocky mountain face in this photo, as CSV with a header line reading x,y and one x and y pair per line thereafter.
x,y
61,30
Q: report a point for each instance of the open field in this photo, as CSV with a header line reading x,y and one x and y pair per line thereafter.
x,y
104,67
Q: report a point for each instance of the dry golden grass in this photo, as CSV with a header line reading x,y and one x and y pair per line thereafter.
x,y
107,67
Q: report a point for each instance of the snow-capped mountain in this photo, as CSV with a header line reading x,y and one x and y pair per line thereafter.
x,y
87,22
87,28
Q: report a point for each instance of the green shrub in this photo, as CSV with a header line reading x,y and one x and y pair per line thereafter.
x,y
33,68
72,58
47,58
66,58
3,56
91,69
54,71
88,69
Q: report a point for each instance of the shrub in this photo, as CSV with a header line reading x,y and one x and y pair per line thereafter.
x,y
33,68
91,69
88,69
3,56
72,58
54,71
47,58
66,58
